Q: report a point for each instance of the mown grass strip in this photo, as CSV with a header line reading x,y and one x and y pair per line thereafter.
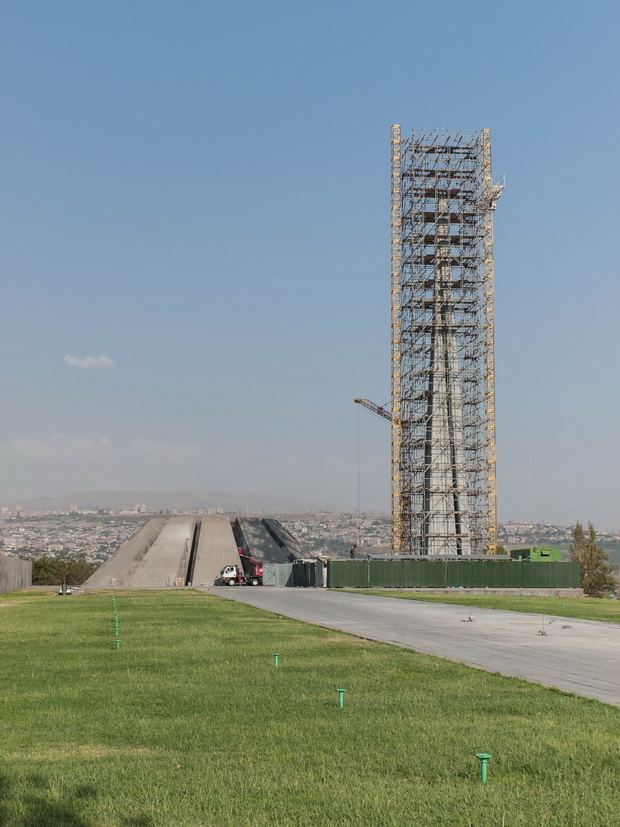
x,y
586,608
189,723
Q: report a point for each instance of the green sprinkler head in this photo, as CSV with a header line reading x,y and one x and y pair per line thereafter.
x,y
483,757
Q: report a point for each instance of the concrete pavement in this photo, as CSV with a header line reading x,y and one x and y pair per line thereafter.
x,y
579,656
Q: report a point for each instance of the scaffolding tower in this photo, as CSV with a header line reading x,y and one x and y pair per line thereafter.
x,y
443,377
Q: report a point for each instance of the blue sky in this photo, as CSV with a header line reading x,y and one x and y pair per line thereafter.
x,y
199,191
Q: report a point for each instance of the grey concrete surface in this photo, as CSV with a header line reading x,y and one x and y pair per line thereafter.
x,y
258,542
118,570
166,560
216,548
488,592
14,574
290,545
579,656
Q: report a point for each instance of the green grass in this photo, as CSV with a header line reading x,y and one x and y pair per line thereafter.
x,y
189,723
587,608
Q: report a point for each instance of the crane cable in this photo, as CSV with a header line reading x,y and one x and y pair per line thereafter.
x,y
359,476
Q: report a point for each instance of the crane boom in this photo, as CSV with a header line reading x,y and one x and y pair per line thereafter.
x,y
375,408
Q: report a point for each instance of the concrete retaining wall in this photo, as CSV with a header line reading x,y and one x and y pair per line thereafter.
x,y
14,574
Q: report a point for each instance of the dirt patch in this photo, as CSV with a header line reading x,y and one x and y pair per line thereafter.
x,y
83,751
256,620
23,596
342,639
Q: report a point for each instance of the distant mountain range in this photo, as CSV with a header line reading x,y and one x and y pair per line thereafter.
x,y
161,500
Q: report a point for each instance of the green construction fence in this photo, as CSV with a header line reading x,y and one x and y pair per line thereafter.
x,y
439,574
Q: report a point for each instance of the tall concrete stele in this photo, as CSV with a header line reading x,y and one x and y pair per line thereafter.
x,y
443,379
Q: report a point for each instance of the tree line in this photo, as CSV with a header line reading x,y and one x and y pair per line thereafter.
x,y
73,570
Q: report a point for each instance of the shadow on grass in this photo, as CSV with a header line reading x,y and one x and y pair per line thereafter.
x,y
35,805
27,803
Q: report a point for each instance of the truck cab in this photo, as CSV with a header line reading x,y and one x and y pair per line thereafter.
x,y
230,575
252,573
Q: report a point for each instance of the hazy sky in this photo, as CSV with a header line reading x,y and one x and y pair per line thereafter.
x,y
194,240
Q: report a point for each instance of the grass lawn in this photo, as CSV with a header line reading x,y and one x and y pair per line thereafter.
x,y
587,608
190,723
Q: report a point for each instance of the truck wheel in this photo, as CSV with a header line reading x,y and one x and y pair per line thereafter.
x,y
232,582
255,581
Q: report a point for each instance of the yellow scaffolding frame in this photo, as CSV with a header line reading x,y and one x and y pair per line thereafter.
x,y
489,341
396,253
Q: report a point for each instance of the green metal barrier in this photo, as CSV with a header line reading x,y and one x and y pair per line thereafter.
x,y
533,577
431,573
551,575
464,576
352,574
385,573
303,574
439,574
498,575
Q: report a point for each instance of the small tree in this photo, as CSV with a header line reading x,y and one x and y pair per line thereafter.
x,y
597,573
54,571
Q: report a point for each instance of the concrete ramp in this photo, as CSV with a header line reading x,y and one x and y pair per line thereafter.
x,y
290,545
118,570
216,548
256,541
166,560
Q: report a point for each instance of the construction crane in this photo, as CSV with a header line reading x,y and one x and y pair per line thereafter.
x,y
378,409
395,422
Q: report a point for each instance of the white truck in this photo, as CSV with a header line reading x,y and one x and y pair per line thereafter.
x,y
251,573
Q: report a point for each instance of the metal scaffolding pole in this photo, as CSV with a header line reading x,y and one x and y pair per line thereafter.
x,y
443,400
397,504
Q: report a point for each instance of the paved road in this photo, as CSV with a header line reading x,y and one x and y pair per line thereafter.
x,y
580,656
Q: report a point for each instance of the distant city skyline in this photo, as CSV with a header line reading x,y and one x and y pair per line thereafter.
x,y
218,502
194,243
100,535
